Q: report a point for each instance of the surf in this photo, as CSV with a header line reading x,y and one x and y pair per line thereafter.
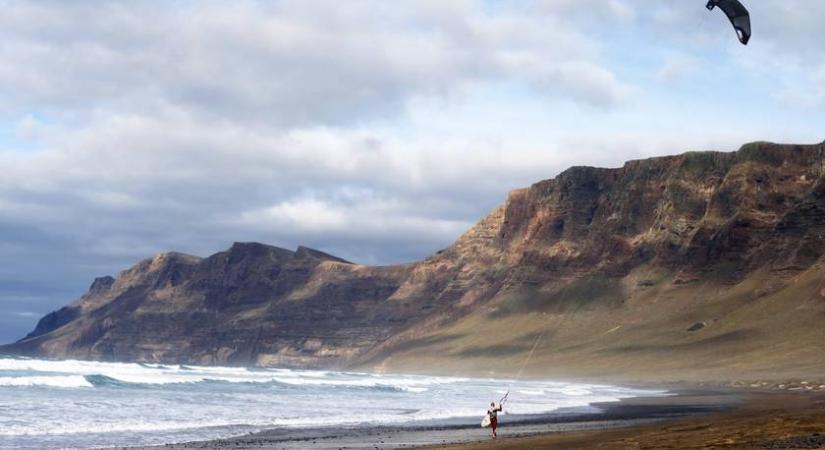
x,y
84,404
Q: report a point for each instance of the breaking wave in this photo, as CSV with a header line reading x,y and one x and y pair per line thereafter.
x,y
86,374
67,381
85,404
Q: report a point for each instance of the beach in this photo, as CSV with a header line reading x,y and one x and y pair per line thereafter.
x,y
763,420
692,419
524,432
85,405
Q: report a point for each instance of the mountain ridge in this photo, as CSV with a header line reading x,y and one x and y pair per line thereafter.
x,y
683,255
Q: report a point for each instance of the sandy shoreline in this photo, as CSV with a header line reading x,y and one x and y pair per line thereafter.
x,y
632,412
764,420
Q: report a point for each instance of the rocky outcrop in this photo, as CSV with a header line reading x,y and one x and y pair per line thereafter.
x,y
252,304
592,248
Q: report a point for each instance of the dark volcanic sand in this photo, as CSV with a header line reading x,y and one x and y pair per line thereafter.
x,y
628,412
765,420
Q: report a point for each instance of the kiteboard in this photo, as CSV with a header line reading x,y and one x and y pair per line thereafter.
x,y
485,422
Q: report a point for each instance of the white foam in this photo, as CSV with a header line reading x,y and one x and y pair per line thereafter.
x,y
531,391
415,389
66,408
163,374
71,381
99,428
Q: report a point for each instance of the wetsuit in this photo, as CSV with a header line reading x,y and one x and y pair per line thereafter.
x,y
493,413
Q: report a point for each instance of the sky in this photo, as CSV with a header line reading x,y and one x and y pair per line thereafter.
x,y
376,131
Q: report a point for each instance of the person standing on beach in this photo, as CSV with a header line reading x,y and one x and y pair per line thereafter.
x,y
493,413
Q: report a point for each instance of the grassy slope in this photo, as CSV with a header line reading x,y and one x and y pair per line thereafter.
x,y
765,327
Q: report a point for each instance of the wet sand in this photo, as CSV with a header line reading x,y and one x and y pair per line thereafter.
x,y
765,420
515,432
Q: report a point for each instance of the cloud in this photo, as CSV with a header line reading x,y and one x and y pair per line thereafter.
x,y
806,92
590,83
282,63
590,12
790,30
360,217
114,187
678,67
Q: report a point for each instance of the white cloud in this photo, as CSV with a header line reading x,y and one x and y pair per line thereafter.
x,y
678,67
362,219
591,12
282,63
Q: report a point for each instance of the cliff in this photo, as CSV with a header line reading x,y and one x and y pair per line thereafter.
x,y
700,265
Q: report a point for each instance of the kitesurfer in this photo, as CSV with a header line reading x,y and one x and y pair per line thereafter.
x,y
493,414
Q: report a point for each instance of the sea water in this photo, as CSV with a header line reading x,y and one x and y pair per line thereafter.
x,y
83,404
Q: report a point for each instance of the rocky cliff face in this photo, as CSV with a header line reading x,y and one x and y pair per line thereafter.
x,y
252,304
613,266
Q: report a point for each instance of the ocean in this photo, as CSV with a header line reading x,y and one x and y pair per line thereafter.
x,y
84,404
